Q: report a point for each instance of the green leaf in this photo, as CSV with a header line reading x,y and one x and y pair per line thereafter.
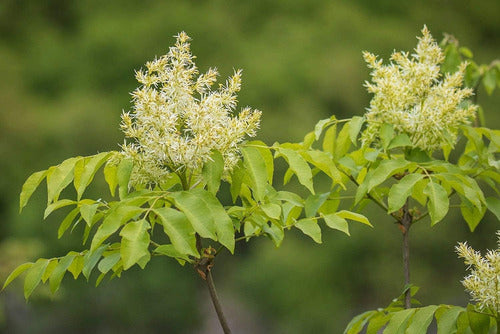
x,y
343,142
255,165
29,187
169,250
207,216
50,268
447,320
117,216
438,201
57,205
65,224
493,205
58,177
318,128
313,203
90,260
299,166
290,198
479,323
400,140
135,242
329,139
490,81
399,322
179,230
34,276
123,172
75,268
88,212
452,59
212,171
59,271
354,216
16,272
324,162
272,210
401,190
386,134
310,227
111,177
274,232
108,262
471,213
266,154
90,167
357,323
377,322
421,320
386,169
354,127
335,222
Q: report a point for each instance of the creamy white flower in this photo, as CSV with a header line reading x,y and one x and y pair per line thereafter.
x,y
411,94
177,120
483,283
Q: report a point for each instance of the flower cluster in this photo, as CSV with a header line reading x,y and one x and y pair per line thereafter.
x,y
411,94
483,283
177,120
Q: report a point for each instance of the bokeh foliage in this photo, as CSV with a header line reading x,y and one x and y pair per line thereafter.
x,y
67,68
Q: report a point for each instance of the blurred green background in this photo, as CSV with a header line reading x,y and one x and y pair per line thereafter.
x,y
67,68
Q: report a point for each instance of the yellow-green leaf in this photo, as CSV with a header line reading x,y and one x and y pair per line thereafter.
x,y
30,186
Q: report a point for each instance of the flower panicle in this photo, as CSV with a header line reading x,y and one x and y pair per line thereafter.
x,y
411,94
483,281
178,119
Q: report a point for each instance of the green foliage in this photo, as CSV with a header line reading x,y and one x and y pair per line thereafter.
x,y
449,319
186,211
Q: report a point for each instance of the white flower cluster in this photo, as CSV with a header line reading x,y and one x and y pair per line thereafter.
x,y
412,95
483,283
177,120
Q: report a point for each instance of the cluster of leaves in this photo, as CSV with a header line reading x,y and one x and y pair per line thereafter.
x,y
128,230
449,319
396,173
487,75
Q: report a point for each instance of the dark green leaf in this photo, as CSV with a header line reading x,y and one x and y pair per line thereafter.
x,y
479,323
493,204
